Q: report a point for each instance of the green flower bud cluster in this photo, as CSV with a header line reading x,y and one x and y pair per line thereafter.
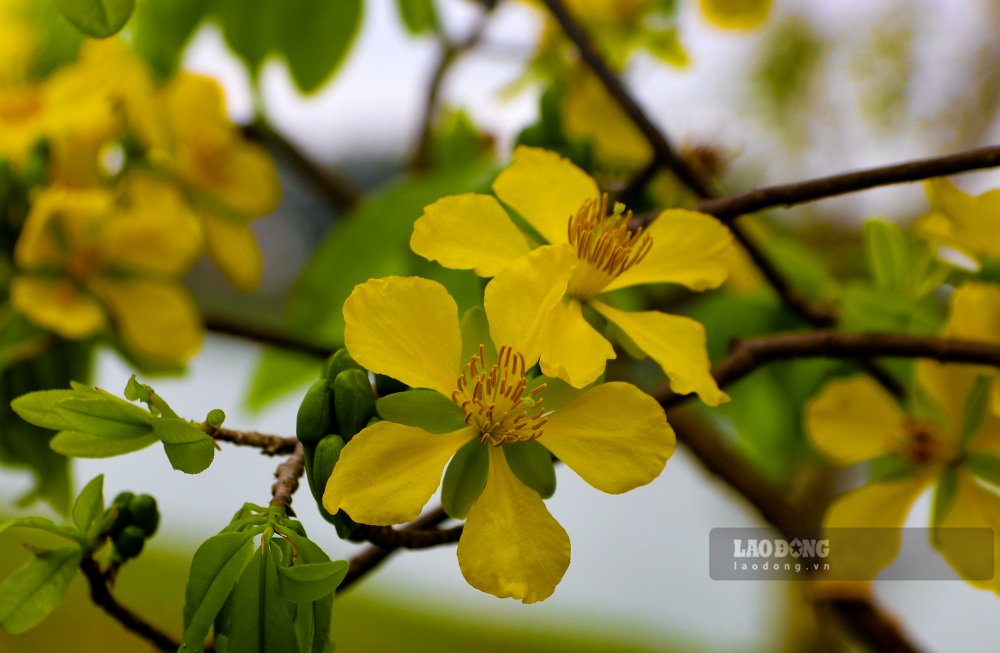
x,y
131,520
335,408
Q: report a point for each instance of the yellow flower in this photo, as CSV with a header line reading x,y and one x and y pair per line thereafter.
x,y
855,420
590,113
588,253
86,258
736,14
614,436
967,223
230,181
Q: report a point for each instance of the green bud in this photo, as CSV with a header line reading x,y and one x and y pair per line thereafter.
x,y
324,459
354,400
339,361
215,418
144,514
121,519
129,542
386,385
316,416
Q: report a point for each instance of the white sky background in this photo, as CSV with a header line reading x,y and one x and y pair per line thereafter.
x,y
640,563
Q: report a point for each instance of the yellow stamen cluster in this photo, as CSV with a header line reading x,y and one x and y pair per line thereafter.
x,y
495,400
605,246
922,443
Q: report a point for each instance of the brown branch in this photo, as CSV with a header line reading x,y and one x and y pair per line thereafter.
x,y
373,556
288,475
450,52
101,595
729,208
387,537
663,150
272,445
264,336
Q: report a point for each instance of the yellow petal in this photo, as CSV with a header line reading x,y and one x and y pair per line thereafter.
x,y
57,306
975,313
248,184
511,546
466,232
949,385
406,328
590,113
157,319
388,471
614,436
676,343
520,297
736,14
233,248
857,551
853,420
61,221
689,248
546,189
572,350
974,507
961,220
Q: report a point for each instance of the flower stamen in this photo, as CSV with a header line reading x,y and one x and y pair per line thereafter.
x,y
496,401
605,246
921,443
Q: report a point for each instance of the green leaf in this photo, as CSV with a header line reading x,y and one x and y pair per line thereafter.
x,y
374,241
944,495
302,583
215,568
425,409
322,610
261,621
161,28
108,418
465,479
532,464
42,524
85,445
888,468
34,590
976,405
476,332
888,254
315,37
557,393
89,504
418,16
189,449
278,373
98,18
986,466
39,408
250,28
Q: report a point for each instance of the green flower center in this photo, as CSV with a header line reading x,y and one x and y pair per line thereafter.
x,y
921,443
605,246
496,400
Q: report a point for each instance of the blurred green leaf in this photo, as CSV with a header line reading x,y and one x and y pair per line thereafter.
x,y
98,18
161,28
189,449
418,16
278,373
35,589
945,494
456,141
314,37
976,406
888,254
986,466
465,479
425,409
250,28
215,568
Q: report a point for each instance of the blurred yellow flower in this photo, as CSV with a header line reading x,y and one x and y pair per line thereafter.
x,y
229,181
967,223
736,14
588,253
614,436
87,260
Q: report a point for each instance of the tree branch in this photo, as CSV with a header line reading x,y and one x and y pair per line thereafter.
x,y
264,336
288,475
101,595
272,445
729,208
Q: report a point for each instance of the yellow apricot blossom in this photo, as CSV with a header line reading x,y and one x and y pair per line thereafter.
x,y
855,420
736,14
589,252
88,260
229,181
613,435
961,221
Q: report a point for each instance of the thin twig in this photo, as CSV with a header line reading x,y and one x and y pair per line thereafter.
x,y
387,537
729,208
272,445
264,336
101,595
287,480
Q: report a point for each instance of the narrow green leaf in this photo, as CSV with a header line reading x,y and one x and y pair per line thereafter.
x,y
532,464
98,18
944,495
261,622
888,468
888,254
39,408
89,504
303,583
465,479
315,37
42,524
85,445
425,409
215,568
189,449
476,332
34,590
418,16
322,610
986,466
976,405
279,373
107,418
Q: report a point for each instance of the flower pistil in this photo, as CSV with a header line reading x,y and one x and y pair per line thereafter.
x,y
605,246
